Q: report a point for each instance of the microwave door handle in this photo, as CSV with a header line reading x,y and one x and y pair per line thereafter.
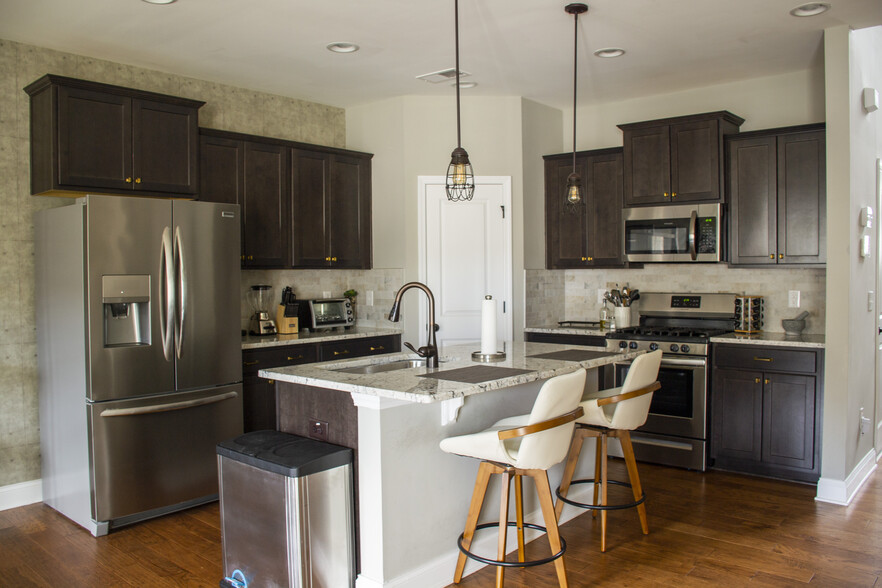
x,y
693,236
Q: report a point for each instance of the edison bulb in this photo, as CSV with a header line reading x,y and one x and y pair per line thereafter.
x,y
574,195
459,174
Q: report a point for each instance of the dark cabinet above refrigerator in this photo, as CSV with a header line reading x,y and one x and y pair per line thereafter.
x,y
98,138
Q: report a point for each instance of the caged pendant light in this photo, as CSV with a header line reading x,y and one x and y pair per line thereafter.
x,y
574,181
460,179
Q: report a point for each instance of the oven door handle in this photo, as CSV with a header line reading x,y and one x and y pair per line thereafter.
x,y
693,235
680,361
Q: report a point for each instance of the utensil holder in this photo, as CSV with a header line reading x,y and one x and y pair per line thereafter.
x,y
748,314
623,316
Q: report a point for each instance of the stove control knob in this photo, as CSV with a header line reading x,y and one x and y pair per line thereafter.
x,y
684,348
623,344
675,348
633,345
653,346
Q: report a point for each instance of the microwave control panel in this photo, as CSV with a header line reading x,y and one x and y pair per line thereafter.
x,y
707,235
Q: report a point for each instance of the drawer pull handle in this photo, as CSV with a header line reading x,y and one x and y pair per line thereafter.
x,y
380,348
344,352
762,359
295,357
255,362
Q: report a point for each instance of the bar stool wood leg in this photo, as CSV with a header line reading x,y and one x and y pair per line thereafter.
x,y
570,469
603,491
540,477
598,457
503,525
483,479
519,507
631,462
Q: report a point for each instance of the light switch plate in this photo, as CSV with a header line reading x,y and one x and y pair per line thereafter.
x,y
369,298
793,299
326,294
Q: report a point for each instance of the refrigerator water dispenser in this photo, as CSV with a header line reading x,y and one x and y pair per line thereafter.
x,y
126,301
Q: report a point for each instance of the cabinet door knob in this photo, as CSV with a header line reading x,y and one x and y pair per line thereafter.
x,y
250,258
327,259
666,194
333,259
756,380
270,381
767,381
673,194
771,256
243,258
780,256
128,180
590,259
137,180
584,259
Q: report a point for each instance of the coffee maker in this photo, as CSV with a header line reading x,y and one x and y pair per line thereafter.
x,y
260,297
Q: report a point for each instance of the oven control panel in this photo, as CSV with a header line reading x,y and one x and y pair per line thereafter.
x,y
685,301
693,349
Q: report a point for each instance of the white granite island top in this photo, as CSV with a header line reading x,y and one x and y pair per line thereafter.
x,y
336,334
407,385
771,339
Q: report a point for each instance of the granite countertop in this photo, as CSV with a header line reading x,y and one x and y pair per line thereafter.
x,y
558,330
771,339
406,384
336,334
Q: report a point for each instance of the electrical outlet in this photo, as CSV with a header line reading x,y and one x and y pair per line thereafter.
x,y
326,294
369,298
318,429
793,299
600,293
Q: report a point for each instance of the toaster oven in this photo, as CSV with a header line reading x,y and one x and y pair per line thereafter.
x,y
326,313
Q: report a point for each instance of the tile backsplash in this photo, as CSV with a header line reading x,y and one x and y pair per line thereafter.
x,y
384,283
579,299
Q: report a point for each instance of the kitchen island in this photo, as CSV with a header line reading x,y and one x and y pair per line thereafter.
x,y
412,497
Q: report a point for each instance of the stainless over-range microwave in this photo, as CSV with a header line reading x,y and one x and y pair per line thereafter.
x,y
687,232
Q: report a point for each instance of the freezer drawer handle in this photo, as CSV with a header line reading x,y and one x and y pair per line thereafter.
x,y
117,412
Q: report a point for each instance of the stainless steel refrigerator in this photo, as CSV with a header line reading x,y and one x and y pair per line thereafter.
x,y
139,354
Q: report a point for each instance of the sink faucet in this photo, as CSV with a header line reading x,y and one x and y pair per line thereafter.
x,y
430,351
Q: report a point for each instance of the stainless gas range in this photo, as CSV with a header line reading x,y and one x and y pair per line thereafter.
x,y
680,325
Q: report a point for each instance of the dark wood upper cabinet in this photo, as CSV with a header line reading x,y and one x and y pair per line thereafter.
x,y
776,182
91,137
676,160
330,209
303,206
589,235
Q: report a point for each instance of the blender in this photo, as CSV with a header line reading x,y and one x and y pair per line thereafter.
x,y
260,297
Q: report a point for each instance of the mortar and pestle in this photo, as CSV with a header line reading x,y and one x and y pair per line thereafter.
x,y
794,327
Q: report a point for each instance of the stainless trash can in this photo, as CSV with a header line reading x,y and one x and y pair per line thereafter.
x,y
286,505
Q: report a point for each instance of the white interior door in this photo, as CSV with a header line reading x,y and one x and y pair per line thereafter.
x,y
465,255
878,420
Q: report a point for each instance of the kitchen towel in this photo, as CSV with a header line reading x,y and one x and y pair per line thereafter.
x,y
488,326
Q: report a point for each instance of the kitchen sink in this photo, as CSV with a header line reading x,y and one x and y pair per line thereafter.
x,y
375,368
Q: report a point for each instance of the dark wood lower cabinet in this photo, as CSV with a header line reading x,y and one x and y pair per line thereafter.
x,y
259,394
766,411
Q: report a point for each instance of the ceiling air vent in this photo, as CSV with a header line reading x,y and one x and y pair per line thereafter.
x,y
445,75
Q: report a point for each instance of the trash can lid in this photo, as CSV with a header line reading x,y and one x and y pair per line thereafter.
x,y
284,453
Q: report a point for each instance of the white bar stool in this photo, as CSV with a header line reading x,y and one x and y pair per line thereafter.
x,y
614,412
525,445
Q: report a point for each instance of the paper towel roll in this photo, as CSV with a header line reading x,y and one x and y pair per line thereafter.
x,y
488,326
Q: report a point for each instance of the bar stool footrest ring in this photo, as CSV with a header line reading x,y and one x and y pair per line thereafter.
x,y
511,564
599,506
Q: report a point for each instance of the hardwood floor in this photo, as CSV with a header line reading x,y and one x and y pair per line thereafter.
x,y
712,529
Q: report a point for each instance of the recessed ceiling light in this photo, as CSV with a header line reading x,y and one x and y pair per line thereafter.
x,y
160,1
465,85
810,9
609,52
342,47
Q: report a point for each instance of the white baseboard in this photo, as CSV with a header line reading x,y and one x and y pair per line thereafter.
x,y
842,491
439,572
16,495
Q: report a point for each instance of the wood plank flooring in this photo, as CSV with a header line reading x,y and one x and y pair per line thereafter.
x,y
712,529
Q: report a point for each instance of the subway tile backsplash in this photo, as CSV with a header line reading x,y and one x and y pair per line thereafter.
x,y
555,295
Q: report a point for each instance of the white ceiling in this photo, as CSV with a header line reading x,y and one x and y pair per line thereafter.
x,y
512,48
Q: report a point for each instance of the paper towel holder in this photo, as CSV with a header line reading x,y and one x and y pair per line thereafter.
x,y
488,357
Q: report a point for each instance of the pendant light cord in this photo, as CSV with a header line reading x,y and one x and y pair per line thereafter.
x,y
575,77
456,27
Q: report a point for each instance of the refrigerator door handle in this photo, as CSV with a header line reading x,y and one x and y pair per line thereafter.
x,y
181,284
118,412
166,294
